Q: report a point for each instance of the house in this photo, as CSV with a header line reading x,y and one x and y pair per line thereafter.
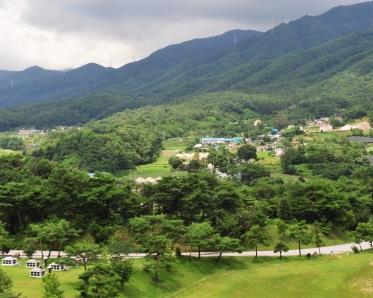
x,y
217,141
37,273
258,122
326,127
32,264
56,267
149,180
279,152
9,261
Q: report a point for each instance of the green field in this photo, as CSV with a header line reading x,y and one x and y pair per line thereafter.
x,y
339,276
161,168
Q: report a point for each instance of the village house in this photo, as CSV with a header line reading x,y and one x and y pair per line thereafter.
x,y
33,264
56,267
10,261
37,273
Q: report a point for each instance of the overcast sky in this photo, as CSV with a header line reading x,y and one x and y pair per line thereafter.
x,y
60,34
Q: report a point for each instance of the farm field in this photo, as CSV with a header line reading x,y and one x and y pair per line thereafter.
x,y
338,276
161,168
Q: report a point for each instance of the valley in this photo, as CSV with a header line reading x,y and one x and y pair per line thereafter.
x,y
249,147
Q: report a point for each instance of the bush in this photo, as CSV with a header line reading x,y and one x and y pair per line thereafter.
x,y
175,162
355,249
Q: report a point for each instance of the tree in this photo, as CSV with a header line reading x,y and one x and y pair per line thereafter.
x,y
299,232
316,237
53,234
175,162
280,248
357,238
249,173
6,286
99,282
365,231
30,245
52,287
247,152
124,270
84,250
282,227
119,247
159,251
226,244
256,236
157,235
200,236
5,240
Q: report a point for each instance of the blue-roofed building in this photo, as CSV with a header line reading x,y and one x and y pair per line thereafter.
x,y
217,141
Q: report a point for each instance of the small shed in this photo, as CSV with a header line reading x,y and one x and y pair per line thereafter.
x,y
33,264
9,261
56,267
37,273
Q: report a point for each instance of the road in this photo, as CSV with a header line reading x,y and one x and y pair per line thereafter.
x,y
327,250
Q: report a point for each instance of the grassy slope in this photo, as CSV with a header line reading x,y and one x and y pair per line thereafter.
x,y
340,276
161,168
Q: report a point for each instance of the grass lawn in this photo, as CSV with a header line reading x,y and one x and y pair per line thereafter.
x,y
339,276
161,168
4,152
334,238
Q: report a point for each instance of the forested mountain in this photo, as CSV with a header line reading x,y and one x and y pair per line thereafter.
x,y
36,84
292,62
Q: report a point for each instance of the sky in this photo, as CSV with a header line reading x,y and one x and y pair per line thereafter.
x,y
62,34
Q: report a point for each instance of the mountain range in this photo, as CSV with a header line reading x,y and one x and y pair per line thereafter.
x,y
301,56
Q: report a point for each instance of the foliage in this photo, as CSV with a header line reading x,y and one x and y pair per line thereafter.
x,y
256,236
52,287
280,248
247,152
100,281
6,286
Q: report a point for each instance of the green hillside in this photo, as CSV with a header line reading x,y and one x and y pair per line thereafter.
x,y
242,277
299,62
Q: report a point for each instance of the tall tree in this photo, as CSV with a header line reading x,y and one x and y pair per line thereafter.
x,y
200,236
5,240
124,270
282,227
300,233
159,251
226,244
84,250
316,236
365,230
257,235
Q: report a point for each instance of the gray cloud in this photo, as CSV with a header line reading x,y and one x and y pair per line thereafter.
x,y
70,32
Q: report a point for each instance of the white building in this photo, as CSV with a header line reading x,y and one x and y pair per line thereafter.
x,y
9,261
32,264
56,267
37,272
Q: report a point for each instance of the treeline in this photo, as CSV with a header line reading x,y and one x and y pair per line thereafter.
x,y
134,137
11,143
330,157
34,190
103,150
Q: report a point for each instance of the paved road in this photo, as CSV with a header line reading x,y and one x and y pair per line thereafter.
x,y
335,249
